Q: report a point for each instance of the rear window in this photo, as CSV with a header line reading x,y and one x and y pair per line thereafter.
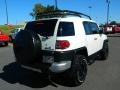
x,y
66,29
42,27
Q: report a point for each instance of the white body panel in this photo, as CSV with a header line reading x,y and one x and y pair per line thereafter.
x,y
93,42
48,44
76,41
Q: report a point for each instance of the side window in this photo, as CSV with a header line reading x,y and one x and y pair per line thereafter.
x,y
66,29
87,28
90,28
94,28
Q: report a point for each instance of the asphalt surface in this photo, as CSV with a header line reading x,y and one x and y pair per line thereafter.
x,y
102,75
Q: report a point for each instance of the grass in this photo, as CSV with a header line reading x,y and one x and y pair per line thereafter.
x,y
8,28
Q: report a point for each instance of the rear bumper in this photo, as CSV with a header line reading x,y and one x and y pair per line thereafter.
x,y
60,67
54,67
108,32
60,61
55,62
117,31
2,42
59,56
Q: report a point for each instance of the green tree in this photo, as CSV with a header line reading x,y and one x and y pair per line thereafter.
x,y
113,23
39,8
49,8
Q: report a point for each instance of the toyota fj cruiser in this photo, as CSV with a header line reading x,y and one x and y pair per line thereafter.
x,y
61,41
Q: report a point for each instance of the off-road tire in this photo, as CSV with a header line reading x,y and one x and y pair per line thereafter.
x,y
103,55
78,70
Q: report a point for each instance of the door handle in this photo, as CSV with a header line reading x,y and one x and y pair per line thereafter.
x,y
95,38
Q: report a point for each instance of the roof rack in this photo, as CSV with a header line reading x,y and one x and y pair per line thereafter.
x,y
60,13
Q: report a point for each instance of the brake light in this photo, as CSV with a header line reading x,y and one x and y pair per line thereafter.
x,y
0,33
62,44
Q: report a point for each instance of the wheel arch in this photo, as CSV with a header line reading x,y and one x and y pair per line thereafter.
x,y
82,51
105,41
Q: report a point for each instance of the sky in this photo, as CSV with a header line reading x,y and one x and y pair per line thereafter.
x,y
19,10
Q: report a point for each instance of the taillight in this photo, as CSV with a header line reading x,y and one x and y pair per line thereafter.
x,y
62,44
0,33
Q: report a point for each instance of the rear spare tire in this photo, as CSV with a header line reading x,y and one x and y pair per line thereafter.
x,y
26,46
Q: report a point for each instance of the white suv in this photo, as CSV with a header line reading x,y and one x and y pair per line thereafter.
x,y
62,41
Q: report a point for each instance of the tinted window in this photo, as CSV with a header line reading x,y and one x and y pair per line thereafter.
x,y
42,27
94,27
66,29
91,28
87,28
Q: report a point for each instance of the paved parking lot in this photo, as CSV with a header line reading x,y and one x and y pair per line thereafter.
x,y
102,75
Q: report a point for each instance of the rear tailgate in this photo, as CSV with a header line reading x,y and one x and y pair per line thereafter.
x,y
46,31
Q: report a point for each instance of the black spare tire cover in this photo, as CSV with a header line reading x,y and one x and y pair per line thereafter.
x,y
26,46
